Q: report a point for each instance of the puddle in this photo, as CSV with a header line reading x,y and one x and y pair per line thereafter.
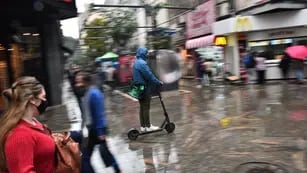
x,y
259,167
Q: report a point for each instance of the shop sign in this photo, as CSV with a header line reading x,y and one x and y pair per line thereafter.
x,y
200,21
220,41
244,4
277,34
243,23
281,33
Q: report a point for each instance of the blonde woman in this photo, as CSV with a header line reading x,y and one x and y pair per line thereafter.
x,y
25,145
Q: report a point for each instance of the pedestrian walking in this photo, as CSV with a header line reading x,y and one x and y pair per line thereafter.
x,y
72,79
199,69
298,53
95,120
284,65
110,73
26,146
250,64
299,67
98,76
143,75
209,68
260,68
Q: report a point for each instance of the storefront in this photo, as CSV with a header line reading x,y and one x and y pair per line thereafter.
x,y
31,43
15,58
274,43
263,33
199,33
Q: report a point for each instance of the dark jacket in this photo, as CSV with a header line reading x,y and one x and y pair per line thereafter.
x,y
284,63
142,74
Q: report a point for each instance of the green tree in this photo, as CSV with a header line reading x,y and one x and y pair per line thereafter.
x,y
123,22
96,39
117,27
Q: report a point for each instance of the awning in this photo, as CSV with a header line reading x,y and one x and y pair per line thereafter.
x,y
200,42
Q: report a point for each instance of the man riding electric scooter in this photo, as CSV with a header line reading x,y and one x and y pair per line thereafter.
x,y
143,75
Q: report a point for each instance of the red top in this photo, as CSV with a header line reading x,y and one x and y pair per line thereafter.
x,y
30,149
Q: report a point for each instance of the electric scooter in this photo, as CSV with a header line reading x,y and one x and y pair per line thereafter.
x,y
167,125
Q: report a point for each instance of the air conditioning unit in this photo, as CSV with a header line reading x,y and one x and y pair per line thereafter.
x,y
182,19
222,9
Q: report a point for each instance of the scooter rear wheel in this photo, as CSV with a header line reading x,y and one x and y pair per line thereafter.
x,y
133,134
170,127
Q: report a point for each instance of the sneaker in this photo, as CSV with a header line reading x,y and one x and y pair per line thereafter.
x,y
143,129
152,128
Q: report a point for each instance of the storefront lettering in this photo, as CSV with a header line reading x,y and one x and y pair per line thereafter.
x,y
281,33
199,22
199,19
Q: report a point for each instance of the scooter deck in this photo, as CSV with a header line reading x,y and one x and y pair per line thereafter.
x,y
148,132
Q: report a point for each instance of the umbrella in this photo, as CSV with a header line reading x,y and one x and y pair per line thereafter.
x,y
298,115
108,55
297,52
168,66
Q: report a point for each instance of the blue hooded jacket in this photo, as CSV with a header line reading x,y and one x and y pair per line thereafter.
x,y
142,74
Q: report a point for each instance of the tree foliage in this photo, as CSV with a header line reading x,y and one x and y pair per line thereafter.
x,y
119,26
124,25
96,47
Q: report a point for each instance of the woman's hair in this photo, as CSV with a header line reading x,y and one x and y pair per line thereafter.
x,y
18,97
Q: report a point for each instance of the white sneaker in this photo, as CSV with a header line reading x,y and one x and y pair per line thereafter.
x,y
152,128
143,129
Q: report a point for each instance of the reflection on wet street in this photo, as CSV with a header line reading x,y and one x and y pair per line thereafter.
x,y
220,129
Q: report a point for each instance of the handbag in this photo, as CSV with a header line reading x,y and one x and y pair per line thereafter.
x,y
68,153
136,90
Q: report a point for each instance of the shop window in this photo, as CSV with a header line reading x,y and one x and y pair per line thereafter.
x,y
31,53
4,79
17,59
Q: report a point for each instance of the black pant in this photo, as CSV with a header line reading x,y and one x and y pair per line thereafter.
x,y
261,76
285,73
104,151
144,111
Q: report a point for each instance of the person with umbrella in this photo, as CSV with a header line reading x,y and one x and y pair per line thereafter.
x,y
298,53
284,65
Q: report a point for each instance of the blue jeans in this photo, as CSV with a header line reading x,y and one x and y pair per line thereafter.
x,y
300,74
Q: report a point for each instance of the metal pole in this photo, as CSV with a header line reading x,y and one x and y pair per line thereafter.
x,y
143,6
105,27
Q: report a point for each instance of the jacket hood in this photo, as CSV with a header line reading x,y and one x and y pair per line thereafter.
x,y
141,53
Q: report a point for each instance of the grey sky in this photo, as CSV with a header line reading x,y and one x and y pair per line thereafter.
x,y
70,26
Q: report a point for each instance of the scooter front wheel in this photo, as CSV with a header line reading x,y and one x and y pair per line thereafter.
x,y
170,127
133,134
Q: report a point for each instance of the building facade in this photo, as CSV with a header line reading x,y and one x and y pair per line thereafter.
x,y
31,43
260,25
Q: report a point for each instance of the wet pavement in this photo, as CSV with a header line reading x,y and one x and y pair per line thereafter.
x,y
219,129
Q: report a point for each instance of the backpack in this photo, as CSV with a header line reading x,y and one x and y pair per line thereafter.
x,y
249,61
